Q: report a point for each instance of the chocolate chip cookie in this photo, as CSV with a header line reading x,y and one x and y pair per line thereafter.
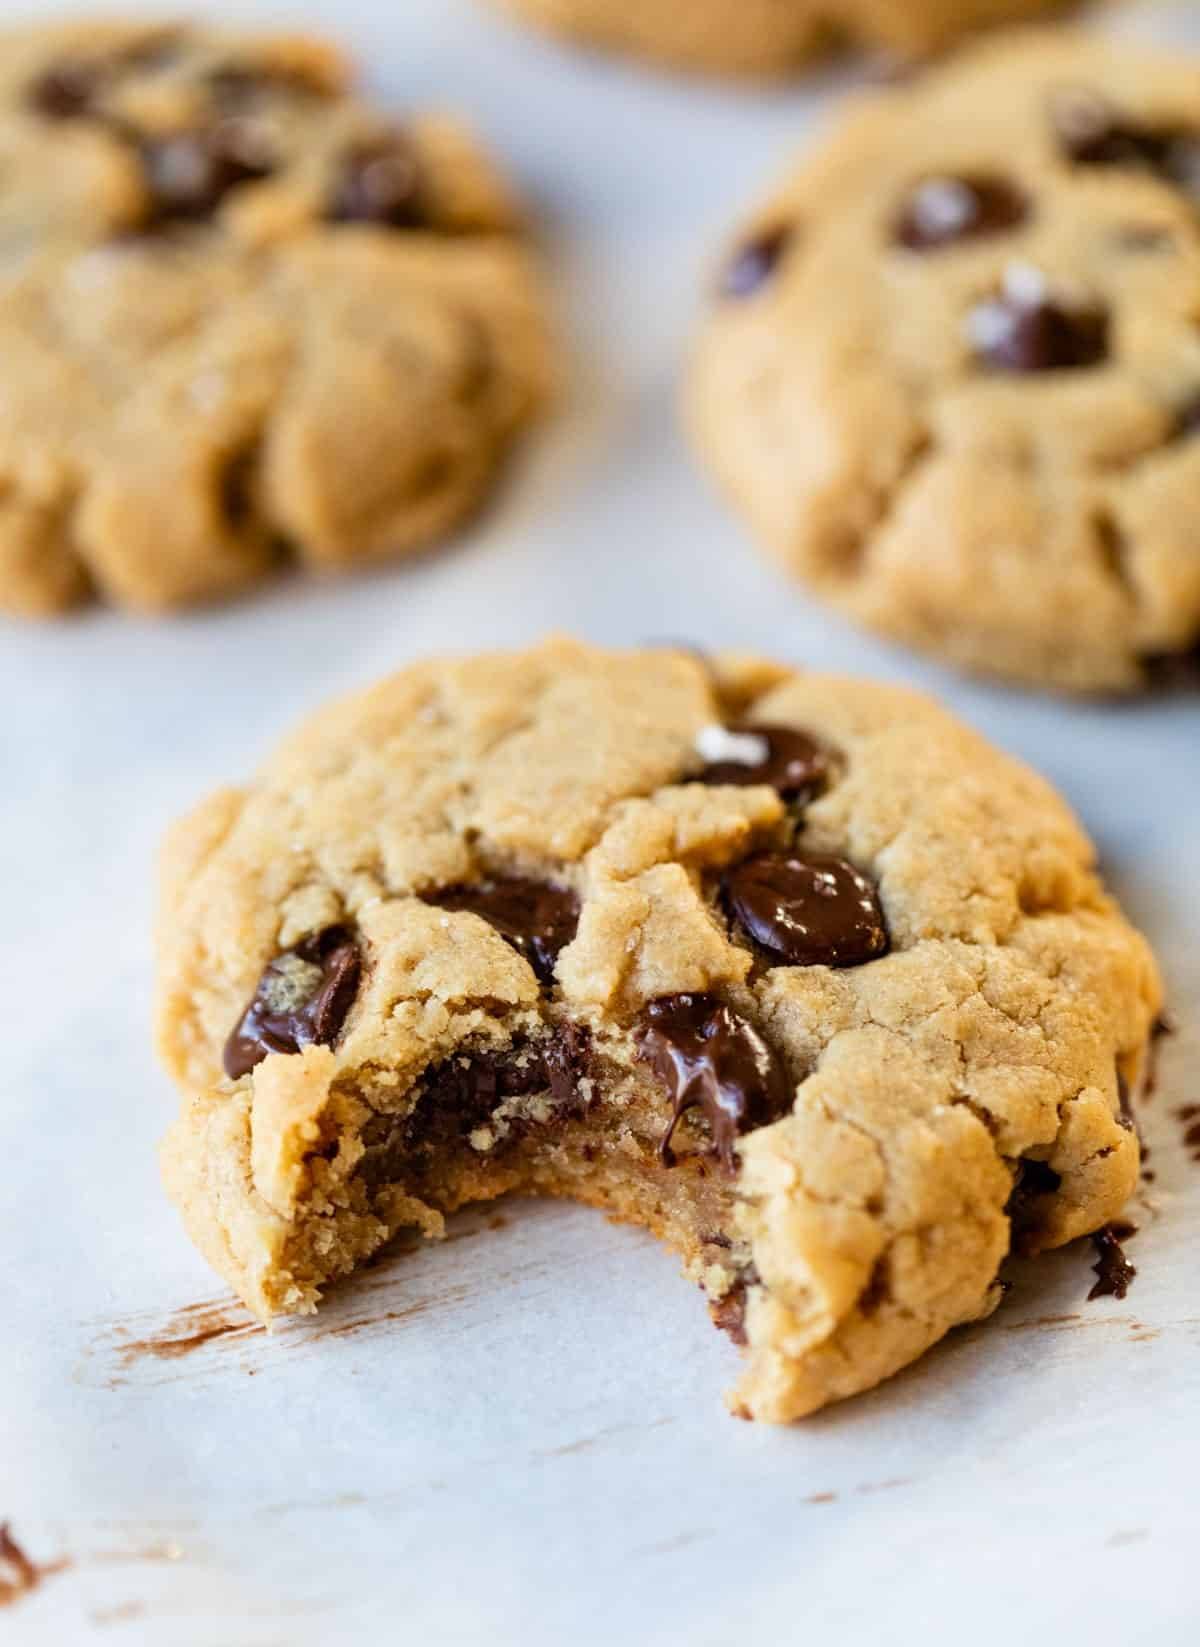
x,y
243,317
767,37
952,372
794,970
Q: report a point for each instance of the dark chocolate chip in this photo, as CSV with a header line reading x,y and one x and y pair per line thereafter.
x,y
1187,419
1172,671
791,761
380,182
1113,1270
236,489
755,261
709,1058
538,920
810,910
1092,132
65,90
943,210
878,1288
301,1000
1026,329
465,1091
189,173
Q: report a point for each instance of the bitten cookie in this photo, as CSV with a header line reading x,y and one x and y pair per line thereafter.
x,y
794,970
952,375
767,37
242,316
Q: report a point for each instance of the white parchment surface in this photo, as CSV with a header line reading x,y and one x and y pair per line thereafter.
x,y
518,1437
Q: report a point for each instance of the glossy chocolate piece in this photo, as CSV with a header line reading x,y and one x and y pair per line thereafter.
x,y
711,1059
537,919
301,1000
806,909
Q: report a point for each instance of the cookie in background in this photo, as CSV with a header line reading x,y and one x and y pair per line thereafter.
x,y
244,316
950,376
769,38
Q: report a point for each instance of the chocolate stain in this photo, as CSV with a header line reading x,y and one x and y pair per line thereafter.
x,y
185,1330
144,1339
820,1498
1188,1115
585,1443
18,1574
1041,1321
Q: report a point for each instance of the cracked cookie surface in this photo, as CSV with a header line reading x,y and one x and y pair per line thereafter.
x,y
952,374
767,37
838,1008
245,317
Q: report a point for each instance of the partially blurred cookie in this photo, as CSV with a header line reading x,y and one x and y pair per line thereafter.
x,y
242,314
767,37
952,376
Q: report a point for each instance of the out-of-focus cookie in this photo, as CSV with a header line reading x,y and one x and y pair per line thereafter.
x,y
767,37
952,373
242,315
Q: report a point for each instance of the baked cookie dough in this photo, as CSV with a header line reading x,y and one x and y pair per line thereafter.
x,y
952,373
243,316
794,970
767,37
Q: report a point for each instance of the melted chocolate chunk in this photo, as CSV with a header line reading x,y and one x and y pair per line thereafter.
x,y
464,1093
1033,1179
380,182
65,90
301,1000
1092,132
189,173
538,920
1027,329
755,261
1113,1270
789,760
812,910
941,211
729,1313
711,1059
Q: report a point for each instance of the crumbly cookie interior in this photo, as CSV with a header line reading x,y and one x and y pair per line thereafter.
x,y
594,1137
